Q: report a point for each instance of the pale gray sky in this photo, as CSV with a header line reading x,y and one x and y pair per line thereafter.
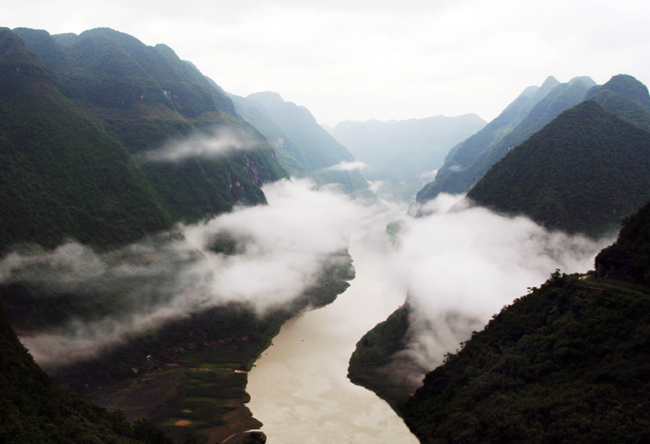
x,y
362,59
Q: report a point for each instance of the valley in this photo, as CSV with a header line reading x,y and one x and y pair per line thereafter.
x,y
299,388
188,265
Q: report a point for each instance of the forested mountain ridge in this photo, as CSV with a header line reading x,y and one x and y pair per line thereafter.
x,y
468,162
628,259
303,147
566,363
626,97
62,174
584,172
465,153
106,140
404,154
36,409
72,104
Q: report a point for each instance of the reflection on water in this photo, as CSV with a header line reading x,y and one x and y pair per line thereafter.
x,y
299,387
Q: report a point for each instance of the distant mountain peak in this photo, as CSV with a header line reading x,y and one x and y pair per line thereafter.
x,y
549,85
550,82
627,86
268,99
582,80
530,91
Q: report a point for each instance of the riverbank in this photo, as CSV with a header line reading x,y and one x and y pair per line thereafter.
x,y
190,376
299,387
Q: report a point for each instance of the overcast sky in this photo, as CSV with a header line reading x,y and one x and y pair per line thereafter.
x,y
384,59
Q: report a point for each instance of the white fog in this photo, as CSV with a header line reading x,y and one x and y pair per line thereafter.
x,y
459,265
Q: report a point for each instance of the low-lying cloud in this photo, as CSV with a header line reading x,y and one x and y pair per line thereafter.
x,y
218,142
462,264
280,249
459,265
347,166
429,175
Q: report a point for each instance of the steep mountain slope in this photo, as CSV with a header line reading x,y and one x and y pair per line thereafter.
x,y
568,362
468,162
464,154
584,172
36,409
304,148
404,153
626,97
61,174
629,258
107,134
146,97
370,363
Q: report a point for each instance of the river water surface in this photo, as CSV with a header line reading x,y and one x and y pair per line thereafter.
x,y
299,387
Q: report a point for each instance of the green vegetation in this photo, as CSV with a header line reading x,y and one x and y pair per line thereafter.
x,y
584,172
61,174
75,109
303,147
190,369
194,368
534,108
568,363
369,364
78,114
36,409
629,258
626,97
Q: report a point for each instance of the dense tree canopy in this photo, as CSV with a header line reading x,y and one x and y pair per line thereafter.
x,y
584,172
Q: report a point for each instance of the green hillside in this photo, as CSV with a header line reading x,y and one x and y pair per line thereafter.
x,y
303,147
146,96
629,258
584,172
567,363
61,174
370,363
36,409
463,155
468,162
81,116
626,97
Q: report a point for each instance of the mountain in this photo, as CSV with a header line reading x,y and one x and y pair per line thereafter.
x,y
109,141
568,362
404,153
372,362
584,172
35,408
147,99
62,174
628,259
626,97
303,147
529,113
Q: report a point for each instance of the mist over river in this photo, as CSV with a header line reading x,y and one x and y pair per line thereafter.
x,y
299,387
459,266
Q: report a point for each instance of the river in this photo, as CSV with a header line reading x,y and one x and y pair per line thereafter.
x,y
299,387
